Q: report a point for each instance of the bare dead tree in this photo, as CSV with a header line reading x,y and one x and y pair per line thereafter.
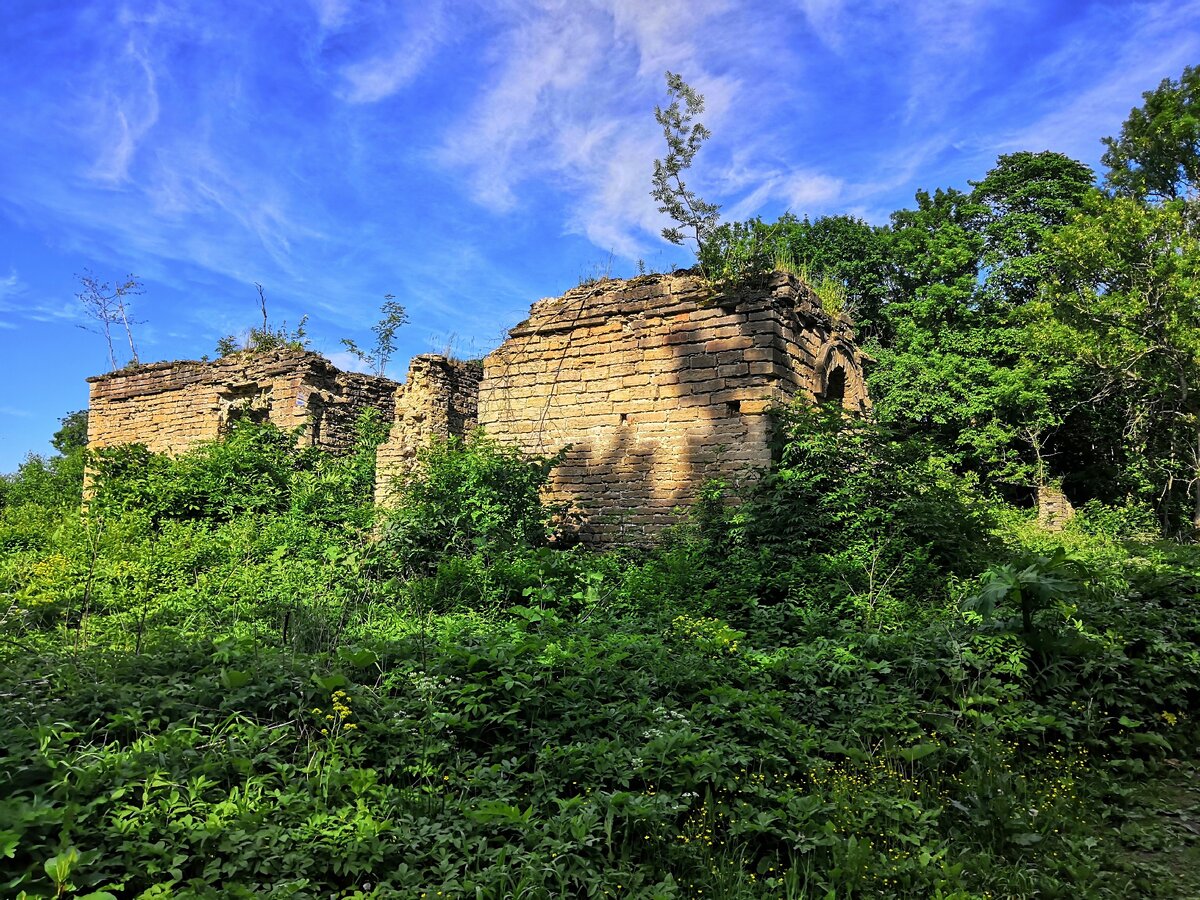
x,y
110,305
262,305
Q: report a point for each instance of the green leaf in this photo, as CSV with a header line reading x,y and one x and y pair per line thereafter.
x,y
360,658
232,679
841,750
59,867
919,751
330,682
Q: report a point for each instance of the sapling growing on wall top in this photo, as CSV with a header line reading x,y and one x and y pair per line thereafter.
x,y
268,337
695,219
109,305
393,316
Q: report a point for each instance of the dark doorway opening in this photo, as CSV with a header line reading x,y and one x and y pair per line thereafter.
x,y
835,386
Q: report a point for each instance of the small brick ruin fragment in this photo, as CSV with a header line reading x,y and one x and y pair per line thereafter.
x,y
1054,509
655,386
439,399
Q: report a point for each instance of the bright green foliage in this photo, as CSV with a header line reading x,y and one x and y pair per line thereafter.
x,y
44,482
849,252
1027,196
1034,585
1157,155
468,498
50,482
248,473
739,253
393,315
269,337
937,363
873,520
785,699
73,435
1126,287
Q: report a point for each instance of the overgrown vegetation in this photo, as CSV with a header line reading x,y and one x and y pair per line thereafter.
x,y
392,316
1043,331
869,675
863,680
265,337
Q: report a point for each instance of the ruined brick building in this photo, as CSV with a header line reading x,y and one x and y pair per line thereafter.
x,y
173,406
655,385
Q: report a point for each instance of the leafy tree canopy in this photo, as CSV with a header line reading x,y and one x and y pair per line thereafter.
x,y
1157,154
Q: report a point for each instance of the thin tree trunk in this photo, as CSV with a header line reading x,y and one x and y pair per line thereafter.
x,y
1196,485
133,357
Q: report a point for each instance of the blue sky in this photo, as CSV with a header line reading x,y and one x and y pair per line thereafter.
x,y
471,157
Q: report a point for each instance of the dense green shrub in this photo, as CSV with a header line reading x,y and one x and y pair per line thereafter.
x,y
47,482
474,496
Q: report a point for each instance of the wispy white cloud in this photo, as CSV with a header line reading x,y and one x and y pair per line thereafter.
x,y
388,71
551,117
331,13
19,302
15,412
1152,42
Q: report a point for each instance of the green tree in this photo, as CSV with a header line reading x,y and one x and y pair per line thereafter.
x,y
934,366
1127,286
1023,199
393,316
1157,154
684,138
959,355
73,435
849,251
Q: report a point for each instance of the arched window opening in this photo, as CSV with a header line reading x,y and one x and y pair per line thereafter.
x,y
835,386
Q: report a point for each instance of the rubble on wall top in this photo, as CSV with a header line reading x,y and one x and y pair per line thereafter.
x,y
270,361
664,294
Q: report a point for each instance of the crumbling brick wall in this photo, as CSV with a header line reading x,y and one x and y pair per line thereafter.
x,y
439,398
173,406
655,384
658,386
1054,509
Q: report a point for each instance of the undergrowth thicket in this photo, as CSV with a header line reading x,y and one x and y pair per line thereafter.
x,y
224,679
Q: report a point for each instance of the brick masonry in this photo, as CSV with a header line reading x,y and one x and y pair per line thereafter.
x,y
439,398
657,387
171,407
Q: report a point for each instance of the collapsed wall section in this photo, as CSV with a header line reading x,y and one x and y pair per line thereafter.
x,y
657,386
171,407
439,398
